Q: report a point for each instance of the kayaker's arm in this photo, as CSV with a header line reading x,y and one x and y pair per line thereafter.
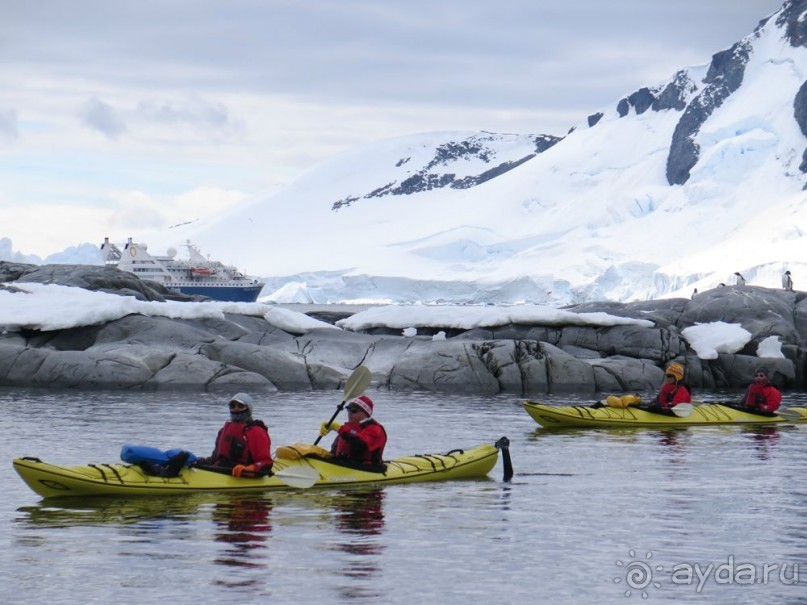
x,y
358,446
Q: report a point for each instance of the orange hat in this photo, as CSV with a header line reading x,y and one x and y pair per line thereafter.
x,y
676,370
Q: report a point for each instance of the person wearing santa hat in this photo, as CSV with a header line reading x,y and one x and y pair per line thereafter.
x,y
361,439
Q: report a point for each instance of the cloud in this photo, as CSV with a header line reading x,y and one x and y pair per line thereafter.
x,y
8,125
507,55
102,117
77,224
203,201
193,111
138,212
119,215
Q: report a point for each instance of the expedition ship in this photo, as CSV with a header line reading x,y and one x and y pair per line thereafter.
x,y
195,276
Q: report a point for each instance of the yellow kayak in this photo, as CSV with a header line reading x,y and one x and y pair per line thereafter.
x,y
297,468
586,416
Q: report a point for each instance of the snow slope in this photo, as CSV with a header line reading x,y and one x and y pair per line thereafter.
x,y
481,217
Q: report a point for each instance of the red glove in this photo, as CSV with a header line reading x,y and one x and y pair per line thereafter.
x,y
240,470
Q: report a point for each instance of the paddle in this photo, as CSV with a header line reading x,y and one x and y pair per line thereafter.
x,y
301,477
507,464
682,410
356,383
789,414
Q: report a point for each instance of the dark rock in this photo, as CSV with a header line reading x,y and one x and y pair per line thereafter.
x,y
91,277
673,96
641,100
545,141
619,374
793,17
763,312
800,113
725,75
430,176
594,118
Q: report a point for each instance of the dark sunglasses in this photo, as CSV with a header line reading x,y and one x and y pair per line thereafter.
x,y
353,408
235,405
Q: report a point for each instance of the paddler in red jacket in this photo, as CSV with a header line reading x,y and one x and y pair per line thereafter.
x,y
672,392
761,395
361,439
243,444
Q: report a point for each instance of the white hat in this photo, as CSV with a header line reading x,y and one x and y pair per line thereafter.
x,y
242,398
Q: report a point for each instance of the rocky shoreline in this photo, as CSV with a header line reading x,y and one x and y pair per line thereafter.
x,y
246,352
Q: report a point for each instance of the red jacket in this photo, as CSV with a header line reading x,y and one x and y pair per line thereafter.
x,y
243,443
762,396
672,394
362,443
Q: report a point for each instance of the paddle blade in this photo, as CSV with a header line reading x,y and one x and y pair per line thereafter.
x,y
301,477
789,414
682,410
357,383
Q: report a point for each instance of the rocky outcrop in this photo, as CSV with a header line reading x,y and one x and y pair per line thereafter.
x,y
89,277
725,75
792,18
674,95
800,114
238,351
439,171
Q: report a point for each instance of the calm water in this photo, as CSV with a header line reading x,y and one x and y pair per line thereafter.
x,y
587,513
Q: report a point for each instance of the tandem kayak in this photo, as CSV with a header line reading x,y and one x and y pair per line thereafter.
x,y
297,468
585,416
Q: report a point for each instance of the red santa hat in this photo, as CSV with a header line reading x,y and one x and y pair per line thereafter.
x,y
365,403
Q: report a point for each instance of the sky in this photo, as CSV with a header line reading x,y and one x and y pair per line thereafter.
x,y
48,307
125,117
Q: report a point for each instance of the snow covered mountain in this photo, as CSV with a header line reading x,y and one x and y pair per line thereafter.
x,y
674,187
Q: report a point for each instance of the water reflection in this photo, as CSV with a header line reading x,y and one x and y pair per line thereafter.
x,y
243,527
672,438
359,520
360,515
243,524
74,512
764,439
